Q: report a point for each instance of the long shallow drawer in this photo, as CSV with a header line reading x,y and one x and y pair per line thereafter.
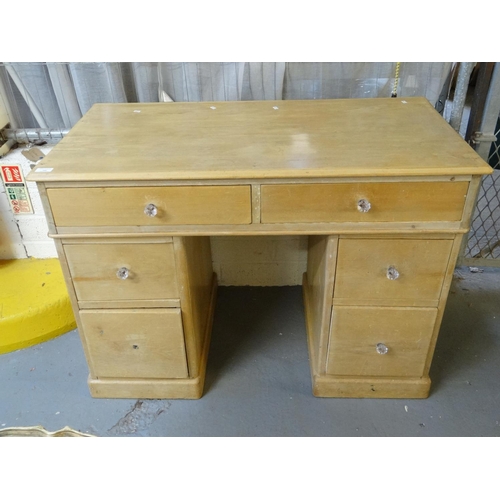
x,y
379,341
122,271
135,343
405,270
363,202
150,206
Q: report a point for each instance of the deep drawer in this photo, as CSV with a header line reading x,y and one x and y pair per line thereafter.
x,y
122,271
150,206
135,343
360,335
364,202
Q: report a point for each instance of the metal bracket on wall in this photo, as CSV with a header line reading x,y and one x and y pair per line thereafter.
x,y
480,137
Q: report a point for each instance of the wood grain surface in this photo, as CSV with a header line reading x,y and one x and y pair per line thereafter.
x,y
252,139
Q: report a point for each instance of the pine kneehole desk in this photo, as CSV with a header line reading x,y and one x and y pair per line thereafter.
x,y
384,188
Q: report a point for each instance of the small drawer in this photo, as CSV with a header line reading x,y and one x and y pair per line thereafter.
x,y
363,202
150,206
135,343
122,271
380,341
402,270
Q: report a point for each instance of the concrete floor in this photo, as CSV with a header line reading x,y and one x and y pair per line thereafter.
x,y
258,381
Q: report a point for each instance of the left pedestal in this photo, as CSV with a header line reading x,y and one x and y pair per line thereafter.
x,y
144,308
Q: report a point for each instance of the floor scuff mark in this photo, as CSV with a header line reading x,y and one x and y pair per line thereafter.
x,y
142,415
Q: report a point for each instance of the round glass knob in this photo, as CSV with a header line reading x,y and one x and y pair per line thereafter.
x,y
151,210
364,206
122,273
392,273
382,348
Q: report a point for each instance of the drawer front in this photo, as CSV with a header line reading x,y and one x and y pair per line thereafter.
x,y
383,202
356,332
122,271
135,343
167,205
405,270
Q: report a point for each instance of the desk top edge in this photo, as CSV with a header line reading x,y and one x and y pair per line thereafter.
x,y
253,140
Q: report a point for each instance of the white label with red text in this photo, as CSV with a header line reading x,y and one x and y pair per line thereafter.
x,y
16,190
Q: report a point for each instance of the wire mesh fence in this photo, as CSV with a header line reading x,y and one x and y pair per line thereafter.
x,y
484,237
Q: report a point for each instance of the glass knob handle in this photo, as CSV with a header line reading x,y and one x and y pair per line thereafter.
x,y
382,348
392,273
364,206
122,273
151,210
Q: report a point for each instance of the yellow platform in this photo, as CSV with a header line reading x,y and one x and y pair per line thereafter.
x,y
34,303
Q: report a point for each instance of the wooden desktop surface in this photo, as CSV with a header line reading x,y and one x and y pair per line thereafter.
x,y
249,140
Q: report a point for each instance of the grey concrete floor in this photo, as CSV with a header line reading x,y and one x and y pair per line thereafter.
x,y
258,381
